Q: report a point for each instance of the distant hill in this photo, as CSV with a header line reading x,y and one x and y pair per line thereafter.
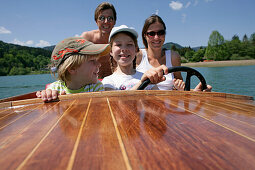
x,y
169,45
178,46
50,48
197,48
17,59
165,46
6,46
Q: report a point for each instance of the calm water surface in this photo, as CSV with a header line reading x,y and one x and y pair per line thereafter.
x,y
236,80
16,85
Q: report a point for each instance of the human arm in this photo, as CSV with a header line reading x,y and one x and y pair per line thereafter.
x,y
139,56
155,75
176,61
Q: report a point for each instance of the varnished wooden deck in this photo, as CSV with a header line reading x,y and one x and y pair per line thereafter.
x,y
131,130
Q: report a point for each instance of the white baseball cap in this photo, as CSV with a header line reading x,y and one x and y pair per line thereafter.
x,y
122,28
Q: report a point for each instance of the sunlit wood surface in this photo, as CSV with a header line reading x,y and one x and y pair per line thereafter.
x,y
131,130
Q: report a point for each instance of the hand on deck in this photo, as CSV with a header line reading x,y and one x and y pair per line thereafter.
x,y
48,94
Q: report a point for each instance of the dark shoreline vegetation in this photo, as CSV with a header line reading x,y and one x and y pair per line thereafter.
x,y
22,60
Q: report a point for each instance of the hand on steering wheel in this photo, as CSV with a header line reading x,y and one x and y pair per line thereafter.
x,y
190,72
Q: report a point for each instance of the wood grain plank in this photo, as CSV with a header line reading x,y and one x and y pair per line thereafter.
x,y
27,140
130,130
174,138
99,147
17,121
60,141
239,121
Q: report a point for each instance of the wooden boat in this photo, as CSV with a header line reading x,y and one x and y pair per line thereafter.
x,y
129,130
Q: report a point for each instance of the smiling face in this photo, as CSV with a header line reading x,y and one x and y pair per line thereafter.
x,y
123,49
87,72
105,21
157,40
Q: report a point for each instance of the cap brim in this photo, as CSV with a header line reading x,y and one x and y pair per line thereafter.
x,y
100,49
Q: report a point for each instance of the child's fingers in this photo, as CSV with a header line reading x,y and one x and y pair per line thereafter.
x,y
182,86
165,69
54,94
153,76
38,94
44,95
62,93
49,94
179,84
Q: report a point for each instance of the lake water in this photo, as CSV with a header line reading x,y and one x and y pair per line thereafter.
x,y
236,80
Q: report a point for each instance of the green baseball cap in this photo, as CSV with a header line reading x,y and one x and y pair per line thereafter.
x,y
76,45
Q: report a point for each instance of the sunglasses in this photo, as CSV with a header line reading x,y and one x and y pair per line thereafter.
x,y
153,33
102,18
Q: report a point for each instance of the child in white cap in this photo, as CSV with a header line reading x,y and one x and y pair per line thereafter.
x,y
123,41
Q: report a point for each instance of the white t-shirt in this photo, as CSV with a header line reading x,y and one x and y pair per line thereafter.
x,y
123,82
145,65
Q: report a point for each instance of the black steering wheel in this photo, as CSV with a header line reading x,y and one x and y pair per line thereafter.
x,y
190,72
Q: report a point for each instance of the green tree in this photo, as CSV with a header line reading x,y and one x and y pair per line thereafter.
x,y
215,39
199,55
189,55
236,38
18,71
214,48
245,38
252,38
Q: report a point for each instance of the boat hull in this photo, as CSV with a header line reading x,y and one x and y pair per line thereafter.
x,y
129,130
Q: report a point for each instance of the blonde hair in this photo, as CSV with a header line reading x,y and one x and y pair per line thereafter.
x,y
74,61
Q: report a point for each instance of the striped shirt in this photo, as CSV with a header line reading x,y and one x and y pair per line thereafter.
x,y
60,87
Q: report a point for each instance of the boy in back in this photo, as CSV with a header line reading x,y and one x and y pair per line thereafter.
x,y
76,62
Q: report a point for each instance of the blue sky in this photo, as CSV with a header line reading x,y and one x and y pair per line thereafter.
x,y
189,22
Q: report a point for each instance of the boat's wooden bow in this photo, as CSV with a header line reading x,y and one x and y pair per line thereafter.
x,y
130,130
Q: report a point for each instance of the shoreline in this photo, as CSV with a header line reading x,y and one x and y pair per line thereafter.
x,y
220,63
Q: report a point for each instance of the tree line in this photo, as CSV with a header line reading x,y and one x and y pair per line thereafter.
x,y
219,49
20,60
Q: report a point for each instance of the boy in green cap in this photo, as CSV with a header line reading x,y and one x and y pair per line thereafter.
x,y
76,62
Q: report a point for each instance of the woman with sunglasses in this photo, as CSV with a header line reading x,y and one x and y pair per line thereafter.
x,y
153,35
105,17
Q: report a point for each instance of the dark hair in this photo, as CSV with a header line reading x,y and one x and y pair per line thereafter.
x,y
112,61
151,20
104,6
